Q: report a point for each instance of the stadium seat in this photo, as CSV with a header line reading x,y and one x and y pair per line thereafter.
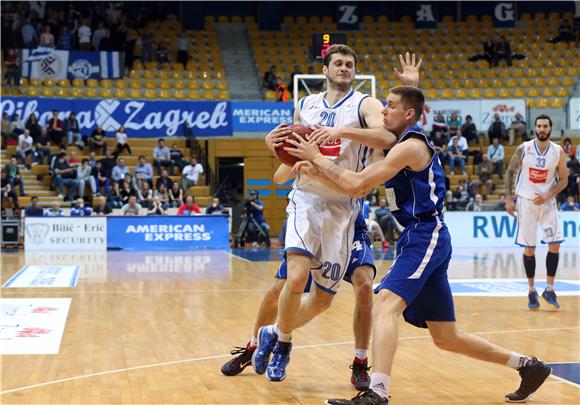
x,y
150,93
164,93
179,94
446,93
490,93
106,83
62,92
461,93
193,94
120,93
207,85
533,92
539,82
150,84
557,102
92,83
567,81
541,103
563,92
518,92
91,92
106,92
193,85
504,92
121,84
164,84
64,83
32,91
135,93
76,92
475,93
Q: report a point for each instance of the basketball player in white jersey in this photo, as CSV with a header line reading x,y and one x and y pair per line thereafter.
x,y
320,220
539,166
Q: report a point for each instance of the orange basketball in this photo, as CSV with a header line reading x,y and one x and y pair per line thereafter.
x,y
283,155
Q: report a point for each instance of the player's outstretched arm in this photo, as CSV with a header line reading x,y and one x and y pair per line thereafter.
x,y
512,173
409,74
283,174
412,153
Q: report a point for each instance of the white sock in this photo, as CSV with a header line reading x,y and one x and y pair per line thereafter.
x,y
516,360
380,384
253,341
283,337
532,288
550,287
361,354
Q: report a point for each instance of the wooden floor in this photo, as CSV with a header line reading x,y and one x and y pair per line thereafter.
x,y
155,328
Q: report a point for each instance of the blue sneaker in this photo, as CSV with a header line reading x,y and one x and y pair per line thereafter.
x,y
280,359
267,339
550,297
533,302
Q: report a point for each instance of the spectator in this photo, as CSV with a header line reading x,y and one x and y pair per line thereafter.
x,y
92,159
55,131
54,210
102,208
518,128
8,191
12,76
497,128
270,80
33,126
131,207
373,197
454,120
373,226
98,139
147,40
496,155
136,183
189,208
24,148
127,191
489,51
386,220
145,195
99,34
460,196
215,207
503,51
119,171
73,131
162,157
439,124
17,125
570,205
14,178
84,33
291,82
456,156
177,157
313,84
34,209
73,161
500,206
145,169
440,142
6,130
564,32
79,209
569,149
162,55
573,184
121,137
163,195
484,171
182,49
469,130
156,207
165,180
46,38
115,198
65,176
42,147
475,205
281,92
108,163
65,39
176,195
29,36
84,176
101,178
191,174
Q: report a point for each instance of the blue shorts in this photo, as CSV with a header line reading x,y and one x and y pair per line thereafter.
x,y
361,255
419,273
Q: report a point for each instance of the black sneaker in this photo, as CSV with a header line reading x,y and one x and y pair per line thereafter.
x,y
360,377
533,374
363,398
243,359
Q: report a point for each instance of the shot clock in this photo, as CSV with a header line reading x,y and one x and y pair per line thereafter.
x,y
322,41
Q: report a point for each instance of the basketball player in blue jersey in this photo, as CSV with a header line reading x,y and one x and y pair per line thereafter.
x,y
416,285
320,235
360,273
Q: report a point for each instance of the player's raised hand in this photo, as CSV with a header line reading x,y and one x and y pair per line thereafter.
x,y
303,149
277,136
510,206
409,74
322,135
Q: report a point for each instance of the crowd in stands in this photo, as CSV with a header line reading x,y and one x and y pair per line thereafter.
x,y
108,176
274,82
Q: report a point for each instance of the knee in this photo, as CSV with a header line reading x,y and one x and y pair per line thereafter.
x,y
322,302
447,341
295,284
364,292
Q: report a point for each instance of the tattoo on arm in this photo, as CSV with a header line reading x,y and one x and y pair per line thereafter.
x,y
512,171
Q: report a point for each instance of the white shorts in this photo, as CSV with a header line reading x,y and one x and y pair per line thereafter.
x,y
532,216
323,229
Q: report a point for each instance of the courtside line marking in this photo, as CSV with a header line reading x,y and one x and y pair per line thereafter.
x,y
195,359
573,384
239,257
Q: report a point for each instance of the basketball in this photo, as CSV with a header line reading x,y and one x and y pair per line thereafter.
x,y
282,154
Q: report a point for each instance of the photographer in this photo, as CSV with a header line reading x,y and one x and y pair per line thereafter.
x,y
256,212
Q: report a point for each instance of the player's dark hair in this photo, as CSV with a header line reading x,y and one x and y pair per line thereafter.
x,y
338,48
543,117
411,97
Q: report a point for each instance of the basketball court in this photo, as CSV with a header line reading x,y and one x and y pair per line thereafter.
x,y
155,328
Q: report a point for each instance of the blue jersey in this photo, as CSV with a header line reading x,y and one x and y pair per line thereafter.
x,y
417,195
360,225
